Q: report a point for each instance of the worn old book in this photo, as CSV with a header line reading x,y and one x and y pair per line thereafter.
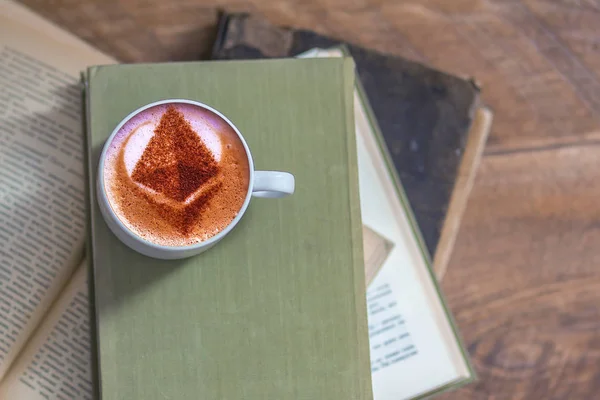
x,y
277,310
430,121
44,317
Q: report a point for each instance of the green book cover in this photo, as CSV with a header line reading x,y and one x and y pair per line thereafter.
x,y
277,309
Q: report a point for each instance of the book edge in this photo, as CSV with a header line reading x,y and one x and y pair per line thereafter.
x,y
88,241
90,189
356,222
467,171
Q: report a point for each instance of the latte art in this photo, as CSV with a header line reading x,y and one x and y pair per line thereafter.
x,y
176,174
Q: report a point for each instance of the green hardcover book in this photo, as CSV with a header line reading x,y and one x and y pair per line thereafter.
x,y
277,309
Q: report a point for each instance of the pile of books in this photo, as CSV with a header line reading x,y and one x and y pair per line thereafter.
x,y
338,298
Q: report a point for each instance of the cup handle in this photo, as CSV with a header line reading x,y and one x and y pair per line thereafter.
x,y
273,184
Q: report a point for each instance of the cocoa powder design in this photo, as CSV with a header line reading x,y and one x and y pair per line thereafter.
x,y
176,163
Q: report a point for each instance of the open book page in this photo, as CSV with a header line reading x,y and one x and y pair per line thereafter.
x,y
55,364
413,348
42,211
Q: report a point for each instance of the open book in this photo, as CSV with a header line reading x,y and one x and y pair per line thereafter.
x,y
44,316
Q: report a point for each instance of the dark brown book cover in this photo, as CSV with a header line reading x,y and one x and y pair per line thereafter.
x,y
424,116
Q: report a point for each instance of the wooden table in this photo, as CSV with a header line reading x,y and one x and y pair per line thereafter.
x,y
524,280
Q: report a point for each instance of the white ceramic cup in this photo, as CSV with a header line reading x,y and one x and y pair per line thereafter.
x,y
271,184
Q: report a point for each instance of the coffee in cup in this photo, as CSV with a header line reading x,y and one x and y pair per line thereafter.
x,y
176,174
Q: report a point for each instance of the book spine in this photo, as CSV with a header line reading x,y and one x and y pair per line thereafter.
x,y
357,240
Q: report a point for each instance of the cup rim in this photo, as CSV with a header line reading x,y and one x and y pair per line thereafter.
x,y
101,190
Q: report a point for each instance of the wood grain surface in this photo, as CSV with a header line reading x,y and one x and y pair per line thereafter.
x,y
523,281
